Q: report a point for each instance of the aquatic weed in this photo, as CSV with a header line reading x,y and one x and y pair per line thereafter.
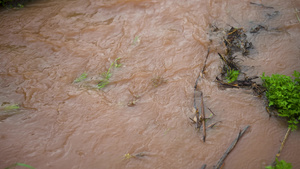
x,y
108,74
81,78
280,165
12,107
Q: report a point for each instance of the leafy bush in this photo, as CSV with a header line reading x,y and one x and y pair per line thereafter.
x,y
281,165
283,94
232,75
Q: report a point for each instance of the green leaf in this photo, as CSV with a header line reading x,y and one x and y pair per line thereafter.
x,y
21,164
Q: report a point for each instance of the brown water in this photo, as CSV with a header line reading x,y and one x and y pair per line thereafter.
x,y
48,44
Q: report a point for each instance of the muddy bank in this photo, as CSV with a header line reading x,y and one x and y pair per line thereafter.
x,y
47,45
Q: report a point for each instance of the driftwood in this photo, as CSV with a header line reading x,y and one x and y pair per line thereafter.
x,y
221,161
282,145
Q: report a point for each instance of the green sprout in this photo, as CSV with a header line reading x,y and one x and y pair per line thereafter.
x,y
232,75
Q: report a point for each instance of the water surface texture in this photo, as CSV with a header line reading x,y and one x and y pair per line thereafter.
x,y
145,108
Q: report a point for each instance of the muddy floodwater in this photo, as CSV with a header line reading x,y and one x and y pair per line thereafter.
x,y
144,111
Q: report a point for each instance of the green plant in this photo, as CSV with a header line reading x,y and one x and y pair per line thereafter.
x,y
107,75
232,75
280,165
12,107
283,94
81,78
20,164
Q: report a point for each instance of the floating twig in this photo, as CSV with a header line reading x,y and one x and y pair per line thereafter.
x,y
212,125
203,117
204,166
282,145
261,5
221,161
211,111
202,71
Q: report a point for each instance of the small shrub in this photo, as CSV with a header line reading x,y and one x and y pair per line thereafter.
x,y
283,94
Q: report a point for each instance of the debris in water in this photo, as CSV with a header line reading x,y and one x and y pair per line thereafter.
x,y
157,81
257,28
261,5
221,161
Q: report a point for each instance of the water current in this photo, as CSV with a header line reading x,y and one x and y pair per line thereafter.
x,y
145,108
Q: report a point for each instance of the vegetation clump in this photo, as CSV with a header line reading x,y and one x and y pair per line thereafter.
x,y
283,94
232,75
280,165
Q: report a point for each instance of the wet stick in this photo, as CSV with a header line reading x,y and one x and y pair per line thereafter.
x,y
282,145
212,125
203,117
221,161
202,71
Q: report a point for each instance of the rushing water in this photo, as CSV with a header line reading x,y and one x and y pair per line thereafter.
x,y
61,124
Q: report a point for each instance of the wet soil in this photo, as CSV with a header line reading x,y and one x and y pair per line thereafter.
x,y
145,108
